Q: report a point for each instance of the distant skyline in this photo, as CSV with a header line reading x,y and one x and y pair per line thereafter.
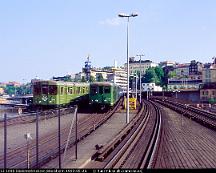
x,y
48,38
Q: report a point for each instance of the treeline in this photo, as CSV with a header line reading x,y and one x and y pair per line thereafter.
x,y
154,75
18,90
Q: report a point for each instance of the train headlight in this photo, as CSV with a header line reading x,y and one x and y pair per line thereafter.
x,y
96,100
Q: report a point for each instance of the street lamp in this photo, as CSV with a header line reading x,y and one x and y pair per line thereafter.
x,y
127,16
28,137
140,78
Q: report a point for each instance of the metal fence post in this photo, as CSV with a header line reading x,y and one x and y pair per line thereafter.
x,y
37,135
28,155
76,134
59,137
5,140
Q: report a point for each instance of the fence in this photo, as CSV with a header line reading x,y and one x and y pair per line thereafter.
x,y
31,140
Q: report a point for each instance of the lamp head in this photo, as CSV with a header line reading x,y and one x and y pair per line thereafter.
x,y
134,14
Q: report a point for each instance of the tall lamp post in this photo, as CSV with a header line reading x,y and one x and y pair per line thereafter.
x,y
140,78
127,16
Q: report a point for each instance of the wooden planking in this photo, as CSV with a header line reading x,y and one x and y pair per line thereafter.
x,y
188,146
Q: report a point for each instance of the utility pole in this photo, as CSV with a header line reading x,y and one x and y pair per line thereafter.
x,y
128,17
140,78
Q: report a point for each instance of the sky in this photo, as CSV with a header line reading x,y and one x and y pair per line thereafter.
x,y
46,38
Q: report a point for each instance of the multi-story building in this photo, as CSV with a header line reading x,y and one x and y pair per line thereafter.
x,y
167,64
79,76
134,66
209,73
188,76
182,70
119,77
208,92
98,73
195,68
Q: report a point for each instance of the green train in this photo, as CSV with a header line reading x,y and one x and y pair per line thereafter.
x,y
104,94
54,93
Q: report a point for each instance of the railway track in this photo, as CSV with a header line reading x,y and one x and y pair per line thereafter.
x,y
48,145
136,145
203,117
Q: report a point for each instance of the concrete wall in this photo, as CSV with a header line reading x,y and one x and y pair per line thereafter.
x,y
193,96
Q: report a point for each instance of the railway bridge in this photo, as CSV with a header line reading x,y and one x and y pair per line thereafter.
x,y
162,133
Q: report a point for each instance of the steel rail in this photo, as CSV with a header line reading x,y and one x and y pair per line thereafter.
x,y
116,159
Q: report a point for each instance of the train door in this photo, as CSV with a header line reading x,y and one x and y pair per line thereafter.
x,y
61,94
101,94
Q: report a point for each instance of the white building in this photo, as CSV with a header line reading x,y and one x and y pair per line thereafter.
x,y
151,87
209,73
134,66
79,76
119,77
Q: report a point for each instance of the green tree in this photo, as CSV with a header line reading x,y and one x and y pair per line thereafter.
x,y
155,75
150,76
10,89
160,74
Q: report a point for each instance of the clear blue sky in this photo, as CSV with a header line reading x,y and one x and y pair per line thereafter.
x,y
48,38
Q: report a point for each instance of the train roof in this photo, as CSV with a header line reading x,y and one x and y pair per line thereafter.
x,y
102,84
52,82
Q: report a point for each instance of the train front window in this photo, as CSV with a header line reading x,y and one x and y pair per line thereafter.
x,y
44,89
106,90
37,90
93,90
100,89
53,89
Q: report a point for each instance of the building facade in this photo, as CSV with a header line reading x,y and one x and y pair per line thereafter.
x,y
182,70
195,68
208,93
119,77
134,66
183,84
151,87
209,73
